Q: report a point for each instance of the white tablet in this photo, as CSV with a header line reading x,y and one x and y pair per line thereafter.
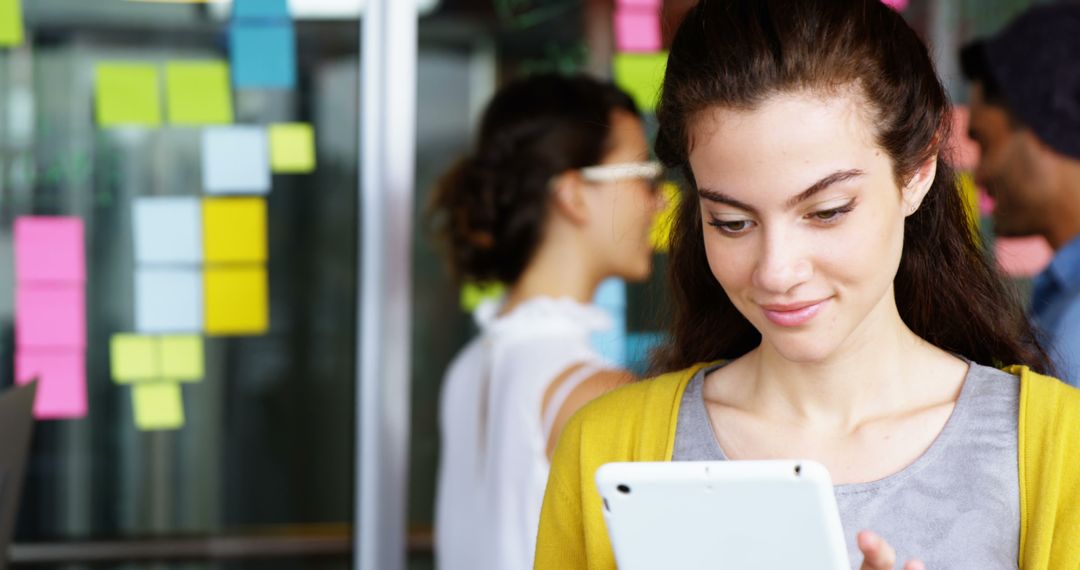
x,y
740,515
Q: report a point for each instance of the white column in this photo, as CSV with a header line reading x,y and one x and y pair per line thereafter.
x,y
387,166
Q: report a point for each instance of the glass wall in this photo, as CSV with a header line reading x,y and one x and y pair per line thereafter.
x,y
256,457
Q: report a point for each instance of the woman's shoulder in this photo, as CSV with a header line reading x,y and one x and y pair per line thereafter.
x,y
642,411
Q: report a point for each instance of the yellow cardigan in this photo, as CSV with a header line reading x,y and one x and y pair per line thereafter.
x,y
637,423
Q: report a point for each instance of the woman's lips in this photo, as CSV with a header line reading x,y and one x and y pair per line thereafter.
x,y
793,314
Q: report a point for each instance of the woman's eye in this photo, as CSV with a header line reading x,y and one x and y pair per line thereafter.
x,y
834,214
731,227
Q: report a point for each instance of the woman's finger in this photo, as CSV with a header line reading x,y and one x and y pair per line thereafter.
x,y
877,554
914,565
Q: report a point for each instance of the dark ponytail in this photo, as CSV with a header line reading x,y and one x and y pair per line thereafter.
x,y
489,210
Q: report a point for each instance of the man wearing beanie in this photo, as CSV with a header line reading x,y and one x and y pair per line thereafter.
x,y
1025,117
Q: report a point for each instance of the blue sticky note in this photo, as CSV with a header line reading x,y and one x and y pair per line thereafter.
x,y
639,346
168,230
168,300
235,160
263,55
611,294
260,9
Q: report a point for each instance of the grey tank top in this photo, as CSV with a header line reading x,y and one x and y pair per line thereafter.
x,y
957,506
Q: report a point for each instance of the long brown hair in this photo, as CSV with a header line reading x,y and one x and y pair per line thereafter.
x,y
735,54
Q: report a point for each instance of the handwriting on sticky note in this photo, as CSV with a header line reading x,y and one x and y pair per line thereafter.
x,y
198,93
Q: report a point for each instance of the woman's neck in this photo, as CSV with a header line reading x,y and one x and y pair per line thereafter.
x,y
882,368
554,272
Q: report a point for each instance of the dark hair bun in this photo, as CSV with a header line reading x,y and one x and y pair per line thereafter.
x,y
489,209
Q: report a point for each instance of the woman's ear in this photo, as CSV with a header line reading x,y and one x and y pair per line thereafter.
x,y
919,185
568,197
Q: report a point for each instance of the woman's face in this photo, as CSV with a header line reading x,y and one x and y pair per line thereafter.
x,y
803,219
626,208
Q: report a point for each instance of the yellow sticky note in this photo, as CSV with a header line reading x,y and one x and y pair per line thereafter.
x,y
660,233
198,93
236,300
127,94
292,148
134,358
182,358
234,230
157,405
969,192
641,75
472,294
11,23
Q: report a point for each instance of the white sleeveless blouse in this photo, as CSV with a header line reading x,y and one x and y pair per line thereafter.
x,y
493,466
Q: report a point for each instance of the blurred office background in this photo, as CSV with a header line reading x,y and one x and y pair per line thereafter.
x,y
261,474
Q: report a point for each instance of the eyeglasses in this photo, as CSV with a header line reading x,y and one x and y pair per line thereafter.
x,y
650,171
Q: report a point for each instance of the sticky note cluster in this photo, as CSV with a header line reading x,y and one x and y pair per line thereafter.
x,y
154,366
129,94
262,45
50,313
241,159
200,265
637,26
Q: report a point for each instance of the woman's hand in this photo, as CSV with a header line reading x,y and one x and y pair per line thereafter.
x,y
878,555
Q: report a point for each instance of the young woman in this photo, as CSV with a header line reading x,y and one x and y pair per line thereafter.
x,y
555,198
832,304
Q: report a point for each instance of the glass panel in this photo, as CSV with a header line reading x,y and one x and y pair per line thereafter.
x,y
266,444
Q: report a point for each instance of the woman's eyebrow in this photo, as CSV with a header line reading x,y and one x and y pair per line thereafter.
x,y
834,178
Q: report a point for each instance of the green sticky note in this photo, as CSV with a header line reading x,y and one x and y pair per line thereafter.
x,y
11,23
198,93
292,148
472,294
641,75
158,405
134,358
127,94
182,357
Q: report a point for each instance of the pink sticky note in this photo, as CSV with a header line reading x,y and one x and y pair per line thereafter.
x,y
653,4
50,316
1022,257
962,151
61,390
49,249
898,5
637,30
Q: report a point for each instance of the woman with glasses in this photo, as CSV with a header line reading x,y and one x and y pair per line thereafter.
x,y
833,303
556,196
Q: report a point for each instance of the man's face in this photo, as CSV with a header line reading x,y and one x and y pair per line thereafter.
x,y
1009,168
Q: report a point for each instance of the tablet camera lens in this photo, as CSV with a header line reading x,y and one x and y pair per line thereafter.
x,y
623,489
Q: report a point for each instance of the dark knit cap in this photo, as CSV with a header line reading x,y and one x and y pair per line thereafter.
x,y
1035,63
